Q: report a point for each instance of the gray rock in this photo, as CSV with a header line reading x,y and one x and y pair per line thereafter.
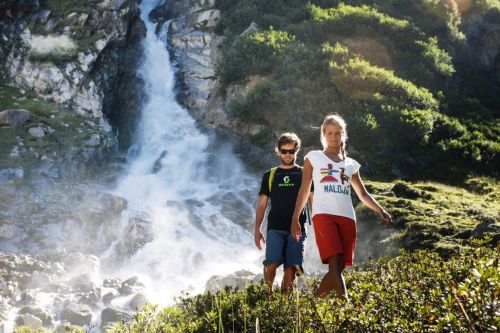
x,y
8,231
43,15
137,301
11,174
30,321
43,315
109,316
77,314
94,140
37,131
108,297
205,19
252,28
14,117
239,279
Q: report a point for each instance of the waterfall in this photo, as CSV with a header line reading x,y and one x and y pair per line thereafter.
x,y
177,183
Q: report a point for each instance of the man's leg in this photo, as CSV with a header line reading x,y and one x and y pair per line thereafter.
x,y
294,257
333,279
269,275
288,279
275,256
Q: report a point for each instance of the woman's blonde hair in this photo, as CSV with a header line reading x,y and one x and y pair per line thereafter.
x,y
335,119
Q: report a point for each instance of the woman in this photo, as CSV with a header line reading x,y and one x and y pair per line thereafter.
x,y
334,219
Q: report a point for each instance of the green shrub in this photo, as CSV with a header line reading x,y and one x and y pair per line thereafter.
x,y
413,292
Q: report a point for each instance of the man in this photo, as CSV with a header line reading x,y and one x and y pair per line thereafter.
x,y
281,185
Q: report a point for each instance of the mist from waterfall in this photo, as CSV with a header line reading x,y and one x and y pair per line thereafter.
x,y
175,185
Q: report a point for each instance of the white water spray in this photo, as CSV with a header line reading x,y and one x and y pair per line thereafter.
x,y
176,183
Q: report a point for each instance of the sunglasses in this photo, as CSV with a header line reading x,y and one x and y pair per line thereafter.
x,y
287,151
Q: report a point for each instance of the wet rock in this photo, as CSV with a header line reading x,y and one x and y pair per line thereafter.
x,y
30,321
91,297
43,315
11,174
110,316
112,283
239,279
14,117
131,286
108,297
39,280
82,282
236,210
137,301
77,314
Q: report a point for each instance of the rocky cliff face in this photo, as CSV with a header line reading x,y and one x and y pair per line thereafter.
x,y
195,49
82,56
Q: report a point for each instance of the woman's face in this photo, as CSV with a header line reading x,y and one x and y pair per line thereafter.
x,y
334,135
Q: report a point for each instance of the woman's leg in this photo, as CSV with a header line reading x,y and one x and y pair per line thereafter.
x,y
333,279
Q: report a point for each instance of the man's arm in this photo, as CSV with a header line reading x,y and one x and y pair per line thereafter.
x,y
259,217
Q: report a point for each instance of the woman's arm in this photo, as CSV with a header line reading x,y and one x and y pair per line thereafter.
x,y
367,199
305,189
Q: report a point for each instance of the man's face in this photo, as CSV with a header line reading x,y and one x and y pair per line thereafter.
x,y
287,154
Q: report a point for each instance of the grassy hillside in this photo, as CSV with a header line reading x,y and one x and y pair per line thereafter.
x,y
430,216
417,102
412,293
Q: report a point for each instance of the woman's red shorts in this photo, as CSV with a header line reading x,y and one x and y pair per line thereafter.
x,y
335,235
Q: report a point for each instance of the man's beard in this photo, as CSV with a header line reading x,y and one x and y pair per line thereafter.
x,y
284,162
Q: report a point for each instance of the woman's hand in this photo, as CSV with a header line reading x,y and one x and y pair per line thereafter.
x,y
385,216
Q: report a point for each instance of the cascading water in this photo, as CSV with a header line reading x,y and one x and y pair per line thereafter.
x,y
75,249
177,184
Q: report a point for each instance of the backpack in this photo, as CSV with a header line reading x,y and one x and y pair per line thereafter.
x,y
270,186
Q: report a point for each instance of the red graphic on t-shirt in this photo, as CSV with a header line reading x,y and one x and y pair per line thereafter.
x,y
327,174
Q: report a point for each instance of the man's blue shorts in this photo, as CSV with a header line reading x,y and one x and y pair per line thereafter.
x,y
281,248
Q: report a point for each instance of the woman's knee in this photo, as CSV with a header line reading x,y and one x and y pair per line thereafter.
x,y
336,263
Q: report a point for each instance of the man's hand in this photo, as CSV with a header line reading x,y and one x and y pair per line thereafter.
x,y
258,238
386,216
295,230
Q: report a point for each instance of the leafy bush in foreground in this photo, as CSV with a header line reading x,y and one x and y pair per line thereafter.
x,y
414,292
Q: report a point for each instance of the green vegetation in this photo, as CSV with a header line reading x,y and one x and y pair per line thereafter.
x,y
435,216
62,8
413,292
389,68
68,130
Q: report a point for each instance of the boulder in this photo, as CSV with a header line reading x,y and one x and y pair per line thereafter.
x,y
29,320
137,301
77,314
42,16
11,174
205,19
109,316
239,279
37,131
14,117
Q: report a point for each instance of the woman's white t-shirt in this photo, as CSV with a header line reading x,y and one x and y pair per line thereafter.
x,y
332,184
